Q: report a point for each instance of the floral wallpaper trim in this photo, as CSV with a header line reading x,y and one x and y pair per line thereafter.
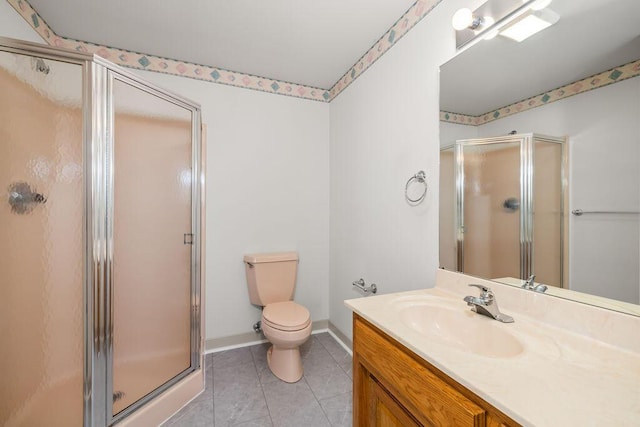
x,y
412,16
605,78
142,61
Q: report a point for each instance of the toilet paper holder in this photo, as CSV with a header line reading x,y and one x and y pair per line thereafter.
x,y
360,284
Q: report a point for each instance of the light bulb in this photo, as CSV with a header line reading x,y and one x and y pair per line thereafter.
x,y
540,4
462,19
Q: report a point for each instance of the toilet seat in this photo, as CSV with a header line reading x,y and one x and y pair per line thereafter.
x,y
286,316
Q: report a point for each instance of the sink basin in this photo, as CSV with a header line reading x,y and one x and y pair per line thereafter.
x,y
459,327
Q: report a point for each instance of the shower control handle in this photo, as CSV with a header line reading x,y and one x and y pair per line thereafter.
x,y
23,198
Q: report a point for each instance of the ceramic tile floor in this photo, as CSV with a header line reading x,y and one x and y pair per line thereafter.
x,y
241,390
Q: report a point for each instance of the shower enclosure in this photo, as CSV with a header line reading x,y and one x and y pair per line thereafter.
x,y
99,239
504,214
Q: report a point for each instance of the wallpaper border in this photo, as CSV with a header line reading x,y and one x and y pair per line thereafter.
x,y
142,61
399,29
605,78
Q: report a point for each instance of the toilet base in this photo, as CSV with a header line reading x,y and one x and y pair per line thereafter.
x,y
285,363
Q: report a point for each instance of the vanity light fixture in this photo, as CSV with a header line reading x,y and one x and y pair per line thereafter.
x,y
488,20
530,24
493,33
464,18
539,4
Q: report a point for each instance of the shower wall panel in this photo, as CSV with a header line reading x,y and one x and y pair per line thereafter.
x,y
41,251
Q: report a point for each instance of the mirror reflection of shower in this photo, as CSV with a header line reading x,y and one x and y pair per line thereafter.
x,y
504,215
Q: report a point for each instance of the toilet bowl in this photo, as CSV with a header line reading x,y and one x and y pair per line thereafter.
x,y
286,325
271,280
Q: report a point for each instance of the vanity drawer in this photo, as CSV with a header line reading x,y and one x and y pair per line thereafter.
x,y
426,397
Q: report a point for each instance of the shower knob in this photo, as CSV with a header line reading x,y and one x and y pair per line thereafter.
x,y
23,199
512,204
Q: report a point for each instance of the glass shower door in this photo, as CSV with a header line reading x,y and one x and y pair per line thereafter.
x,y
152,242
447,209
548,214
41,242
489,208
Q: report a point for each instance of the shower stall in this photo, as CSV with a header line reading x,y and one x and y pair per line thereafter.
x,y
100,234
502,205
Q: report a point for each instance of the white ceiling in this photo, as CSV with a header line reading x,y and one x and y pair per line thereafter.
x,y
591,36
300,41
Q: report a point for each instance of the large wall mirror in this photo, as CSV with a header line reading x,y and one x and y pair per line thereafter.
x,y
540,156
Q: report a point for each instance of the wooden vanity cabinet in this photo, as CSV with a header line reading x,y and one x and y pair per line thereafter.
x,y
392,386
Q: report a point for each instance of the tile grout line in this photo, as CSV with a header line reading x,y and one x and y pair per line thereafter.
x,y
213,393
255,351
259,382
334,359
255,366
326,415
345,372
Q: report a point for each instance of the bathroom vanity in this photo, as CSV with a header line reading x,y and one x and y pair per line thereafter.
x,y
424,358
395,387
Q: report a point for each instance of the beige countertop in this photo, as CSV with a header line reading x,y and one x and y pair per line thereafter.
x,y
556,376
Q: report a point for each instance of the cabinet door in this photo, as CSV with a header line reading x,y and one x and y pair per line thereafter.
x,y
385,411
428,398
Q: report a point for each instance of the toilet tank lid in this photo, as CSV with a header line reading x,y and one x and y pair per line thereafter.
x,y
271,257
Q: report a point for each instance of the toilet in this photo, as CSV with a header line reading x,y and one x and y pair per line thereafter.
x,y
271,279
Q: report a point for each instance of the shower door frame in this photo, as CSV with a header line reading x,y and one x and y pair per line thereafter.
x,y
526,228
97,240
112,73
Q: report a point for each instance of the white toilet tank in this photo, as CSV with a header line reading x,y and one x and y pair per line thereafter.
x,y
271,277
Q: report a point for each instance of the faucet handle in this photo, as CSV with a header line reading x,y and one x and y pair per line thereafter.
x,y
481,287
485,291
530,282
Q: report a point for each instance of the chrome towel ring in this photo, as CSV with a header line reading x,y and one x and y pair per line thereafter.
x,y
420,177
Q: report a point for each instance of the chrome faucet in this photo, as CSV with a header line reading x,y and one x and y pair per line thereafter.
x,y
486,304
531,285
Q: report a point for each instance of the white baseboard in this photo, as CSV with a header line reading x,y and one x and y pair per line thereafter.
x,y
216,345
340,338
